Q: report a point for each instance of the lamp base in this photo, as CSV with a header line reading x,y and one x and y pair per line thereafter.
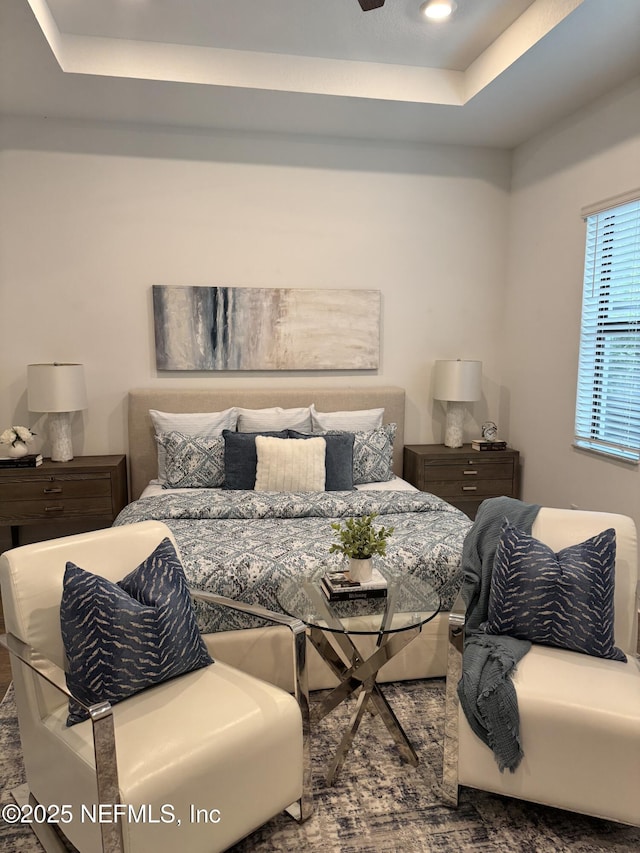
x,y
60,434
453,431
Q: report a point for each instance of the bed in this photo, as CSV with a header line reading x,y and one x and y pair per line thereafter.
x,y
239,542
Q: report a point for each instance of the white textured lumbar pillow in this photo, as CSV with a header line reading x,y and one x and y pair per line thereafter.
x,y
287,465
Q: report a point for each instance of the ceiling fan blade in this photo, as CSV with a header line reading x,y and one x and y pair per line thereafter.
x,y
368,5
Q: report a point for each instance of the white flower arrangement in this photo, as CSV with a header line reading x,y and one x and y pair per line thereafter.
x,y
15,434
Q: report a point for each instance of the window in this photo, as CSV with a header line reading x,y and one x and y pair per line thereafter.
x,y
608,398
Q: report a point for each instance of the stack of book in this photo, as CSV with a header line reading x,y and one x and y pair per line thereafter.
x,y
338,586
484,444
31,460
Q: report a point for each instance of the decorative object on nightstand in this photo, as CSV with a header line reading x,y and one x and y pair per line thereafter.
x,y
489,431
14,441
28,460
482,444
58,389
456,383
489,440
462,476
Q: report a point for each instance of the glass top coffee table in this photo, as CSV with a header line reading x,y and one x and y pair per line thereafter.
x,y
334,627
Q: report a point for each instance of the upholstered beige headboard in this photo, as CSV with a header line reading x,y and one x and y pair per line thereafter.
x,y
142,446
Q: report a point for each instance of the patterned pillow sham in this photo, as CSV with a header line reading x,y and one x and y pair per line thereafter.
x,y
373,455
193,461
189,423
122,637
286,465
563,600
338,459
241,459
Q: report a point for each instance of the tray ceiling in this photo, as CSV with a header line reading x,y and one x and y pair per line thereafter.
x,y
493,74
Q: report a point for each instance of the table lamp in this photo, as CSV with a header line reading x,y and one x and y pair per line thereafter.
x,y
456,383
58,389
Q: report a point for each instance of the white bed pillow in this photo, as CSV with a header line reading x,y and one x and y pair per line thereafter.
x,y
360,420
287,465
274,419
205,424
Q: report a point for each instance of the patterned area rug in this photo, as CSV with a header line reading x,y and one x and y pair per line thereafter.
x,y
380,804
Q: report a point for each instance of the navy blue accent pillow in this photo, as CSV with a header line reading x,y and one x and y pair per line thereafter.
x,y
338,461
122,637
241,458
563,599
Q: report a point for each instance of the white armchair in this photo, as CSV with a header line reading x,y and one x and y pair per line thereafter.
x,y
215,743
579,715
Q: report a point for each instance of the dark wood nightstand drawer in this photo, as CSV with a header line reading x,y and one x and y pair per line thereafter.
x,y
54,509
471,470
480,488
61,485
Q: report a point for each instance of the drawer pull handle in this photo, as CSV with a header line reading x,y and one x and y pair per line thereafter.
x,y
469,473
469,488
54,509
55,491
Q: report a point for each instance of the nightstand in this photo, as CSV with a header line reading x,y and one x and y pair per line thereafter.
x,y
87,489
462,476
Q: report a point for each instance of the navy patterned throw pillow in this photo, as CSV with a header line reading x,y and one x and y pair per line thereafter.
x,y
563,600
373,455
122,637
193,461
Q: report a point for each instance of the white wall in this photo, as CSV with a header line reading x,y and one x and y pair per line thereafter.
x,y
92,216
591,156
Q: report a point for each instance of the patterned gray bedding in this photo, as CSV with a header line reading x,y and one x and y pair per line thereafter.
x,y
242,543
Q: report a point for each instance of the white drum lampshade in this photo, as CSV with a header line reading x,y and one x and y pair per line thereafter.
x,y
456,382
58,389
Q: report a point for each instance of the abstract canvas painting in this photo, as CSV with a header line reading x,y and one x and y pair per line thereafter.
x,y
246,328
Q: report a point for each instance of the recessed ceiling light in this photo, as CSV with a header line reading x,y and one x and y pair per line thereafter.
x,y
438,10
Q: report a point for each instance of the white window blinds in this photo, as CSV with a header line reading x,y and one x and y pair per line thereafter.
x,y
608,399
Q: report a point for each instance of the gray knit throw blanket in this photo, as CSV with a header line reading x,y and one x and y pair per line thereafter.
x,y
486,692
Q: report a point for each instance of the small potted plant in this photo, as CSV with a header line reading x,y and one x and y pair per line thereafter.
x,y
359,540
